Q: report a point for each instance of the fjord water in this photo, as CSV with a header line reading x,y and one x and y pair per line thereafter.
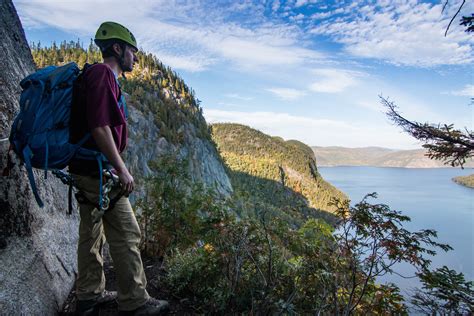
x,y
429,197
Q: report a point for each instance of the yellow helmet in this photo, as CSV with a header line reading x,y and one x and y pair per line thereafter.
x,y
108,31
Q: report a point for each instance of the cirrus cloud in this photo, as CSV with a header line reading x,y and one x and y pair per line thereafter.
x,y
331,80
404,32
466,91
287,93
186,35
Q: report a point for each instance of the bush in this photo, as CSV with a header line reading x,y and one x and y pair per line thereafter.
x,y
240,269
262,265
176,212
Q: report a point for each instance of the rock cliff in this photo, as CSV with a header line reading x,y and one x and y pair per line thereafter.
x,y
38,246
204,163
37,256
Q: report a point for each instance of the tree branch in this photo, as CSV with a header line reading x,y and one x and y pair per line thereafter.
x,y
459,10
443,142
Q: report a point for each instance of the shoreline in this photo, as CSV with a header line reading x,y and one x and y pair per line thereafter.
x,y
393,167
466,181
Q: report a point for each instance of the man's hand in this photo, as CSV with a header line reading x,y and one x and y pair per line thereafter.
x,y
105,141
126,180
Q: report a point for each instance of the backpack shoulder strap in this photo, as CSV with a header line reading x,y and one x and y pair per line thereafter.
x,y
121,99
27,154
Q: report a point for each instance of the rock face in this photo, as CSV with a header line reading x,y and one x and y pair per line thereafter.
x,y
145,145
38,245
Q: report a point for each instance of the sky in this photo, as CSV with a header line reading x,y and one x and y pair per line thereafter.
x,y
309,70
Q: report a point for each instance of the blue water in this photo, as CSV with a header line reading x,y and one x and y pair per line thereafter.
x,y
429,197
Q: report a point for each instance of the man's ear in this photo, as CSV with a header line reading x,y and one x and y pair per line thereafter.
x,y
117,48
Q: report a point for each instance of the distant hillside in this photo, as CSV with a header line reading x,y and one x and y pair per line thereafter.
x,y
376,157
283,173
467,181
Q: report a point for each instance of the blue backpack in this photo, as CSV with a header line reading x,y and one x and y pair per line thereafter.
x,y
40,132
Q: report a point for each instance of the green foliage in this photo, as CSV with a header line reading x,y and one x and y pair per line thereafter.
x,y
238,270
175,210
272,165
444,291
148,88
65,53
253,193
443,141
221,264
468,23
264,267
467,181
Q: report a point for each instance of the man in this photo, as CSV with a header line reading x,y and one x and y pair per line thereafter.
x,y
99,109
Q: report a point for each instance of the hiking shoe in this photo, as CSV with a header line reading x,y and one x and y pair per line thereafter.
x,y
91,307
152,307
106,297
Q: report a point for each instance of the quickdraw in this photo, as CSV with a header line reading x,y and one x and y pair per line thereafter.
x,y
111,180
110,183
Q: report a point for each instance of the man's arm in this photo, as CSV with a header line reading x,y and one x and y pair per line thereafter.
x,y
105,141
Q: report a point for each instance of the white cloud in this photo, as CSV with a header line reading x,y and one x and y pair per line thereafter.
x,y
72,15
401,32
199,34
467,91
300,3
193,63
238,97
256,51
374,106
330,80
315,132
287,93
297,17
276,5
230,105
321,15
186,35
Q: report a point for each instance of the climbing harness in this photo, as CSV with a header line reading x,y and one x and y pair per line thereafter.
x,y
102,206
106,203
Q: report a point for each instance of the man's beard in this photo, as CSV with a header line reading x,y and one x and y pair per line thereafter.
x,y
126,68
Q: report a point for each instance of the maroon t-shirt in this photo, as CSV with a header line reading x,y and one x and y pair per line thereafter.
x,y
96,104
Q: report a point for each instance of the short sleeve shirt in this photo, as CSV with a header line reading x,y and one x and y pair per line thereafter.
x,y
96,104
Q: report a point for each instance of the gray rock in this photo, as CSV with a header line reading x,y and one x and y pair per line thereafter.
x,y
37,246
146,145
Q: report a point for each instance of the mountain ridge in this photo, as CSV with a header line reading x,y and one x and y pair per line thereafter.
x,y
332,156
287,165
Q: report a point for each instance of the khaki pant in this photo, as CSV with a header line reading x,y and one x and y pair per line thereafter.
x,y
119,226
